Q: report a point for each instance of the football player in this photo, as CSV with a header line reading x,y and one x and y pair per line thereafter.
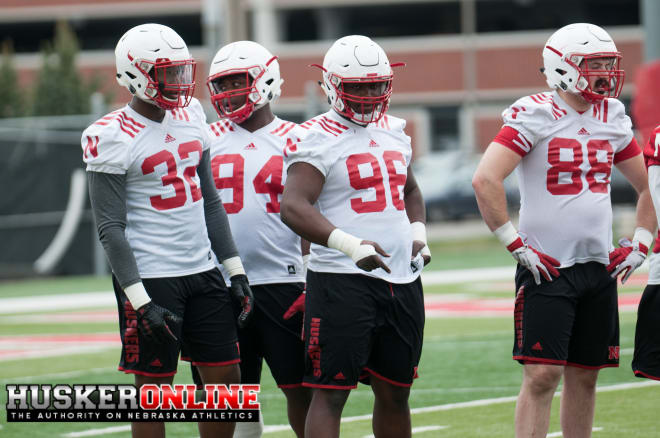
x,y
159,218
646,361
351,192
563,144
247,166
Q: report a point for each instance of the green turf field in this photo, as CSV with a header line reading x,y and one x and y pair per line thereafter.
x,y
467,379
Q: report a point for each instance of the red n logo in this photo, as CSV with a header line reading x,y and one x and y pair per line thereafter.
x,y
613,353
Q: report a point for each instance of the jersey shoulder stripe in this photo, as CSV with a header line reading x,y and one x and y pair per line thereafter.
x,y
126,124
221,127
283,129
324,124
180,114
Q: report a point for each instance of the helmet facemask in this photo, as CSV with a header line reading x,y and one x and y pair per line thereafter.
x,y
362,100
608,81
170,83
236,104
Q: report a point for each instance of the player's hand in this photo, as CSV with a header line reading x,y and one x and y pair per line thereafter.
x,y
152,322
538,263
419,246
297,306
240,290
628,257
373,261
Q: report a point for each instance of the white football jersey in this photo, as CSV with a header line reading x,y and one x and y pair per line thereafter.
x,y
165,225
365,170
248,171
564,175
652,158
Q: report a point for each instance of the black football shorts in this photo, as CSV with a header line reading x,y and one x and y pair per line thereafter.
x,y
646,361
359,327
572,320
208,331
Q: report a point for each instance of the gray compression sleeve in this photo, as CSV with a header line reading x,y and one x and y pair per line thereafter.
x,y
107,193
217,224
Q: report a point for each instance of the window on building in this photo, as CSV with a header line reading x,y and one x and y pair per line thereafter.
x,y
444,128
387,20
96,34
513,15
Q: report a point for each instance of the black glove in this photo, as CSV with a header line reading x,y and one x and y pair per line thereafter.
x,y
152,322
240,290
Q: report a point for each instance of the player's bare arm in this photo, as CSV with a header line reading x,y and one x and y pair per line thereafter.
x,y
303,187
634,171
416,212
488,182
496,164
626,259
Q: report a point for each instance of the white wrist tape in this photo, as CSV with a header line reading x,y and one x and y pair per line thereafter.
x,y
418,230
506,234
233,266
137,295
644,236
305,263
349,245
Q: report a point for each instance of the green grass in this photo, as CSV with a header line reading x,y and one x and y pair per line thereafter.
x,y
464,359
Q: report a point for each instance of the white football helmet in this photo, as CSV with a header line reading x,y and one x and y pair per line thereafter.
x,y
261,81
356,60
565,61
153,62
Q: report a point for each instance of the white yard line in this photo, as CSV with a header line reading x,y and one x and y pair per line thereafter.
x,y
96,432
57,302
445,407
62,375
420,429
558,434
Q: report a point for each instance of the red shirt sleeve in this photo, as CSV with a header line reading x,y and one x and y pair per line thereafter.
x,y
513,140
628,152
650,157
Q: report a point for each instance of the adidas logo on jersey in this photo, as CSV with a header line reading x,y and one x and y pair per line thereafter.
x,y
169,138
583,132
537,347
156,363
249,147
340,376
373,144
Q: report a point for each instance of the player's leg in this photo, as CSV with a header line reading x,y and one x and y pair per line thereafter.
x,y
594,345
149,429
211,339
578,400
148,361
324,415
297,404
283,348
646,361
391,417
394,356
251,363
543,319
339,324
535,399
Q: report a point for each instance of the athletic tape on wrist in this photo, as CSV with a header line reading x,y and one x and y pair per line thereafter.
x,y
507,234
418,231
137,295
349,245
233,266
643,236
